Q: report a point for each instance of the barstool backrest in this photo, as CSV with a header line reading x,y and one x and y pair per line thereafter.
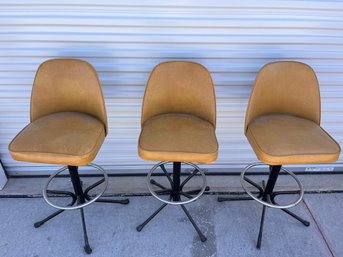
x,y
67,85
180,87
285,87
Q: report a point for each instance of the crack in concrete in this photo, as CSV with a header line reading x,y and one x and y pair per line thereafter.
x,y
319,228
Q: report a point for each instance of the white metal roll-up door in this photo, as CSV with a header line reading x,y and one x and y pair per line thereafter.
x,y
124,40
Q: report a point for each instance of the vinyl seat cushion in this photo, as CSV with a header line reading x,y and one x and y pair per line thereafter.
x,y
68,138
279,139
178,137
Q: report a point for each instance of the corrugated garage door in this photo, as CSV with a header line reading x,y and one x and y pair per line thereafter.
x,y
124,40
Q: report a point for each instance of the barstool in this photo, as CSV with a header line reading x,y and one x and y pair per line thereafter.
x,y
68,126
283,127
178,125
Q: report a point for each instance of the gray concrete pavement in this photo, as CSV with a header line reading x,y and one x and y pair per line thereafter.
x,y
231,228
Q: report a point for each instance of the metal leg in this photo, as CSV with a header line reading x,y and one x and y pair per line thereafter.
x,y
87,247
261,189
41,222
201,235
152,181
94,186
164,191
189,194
289,192
56,213
305,222
196,191
61,193
102,200
120,201
141,226
235,198
259,239
189,178
186,195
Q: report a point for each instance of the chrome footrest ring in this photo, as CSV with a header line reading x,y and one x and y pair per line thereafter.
x,y
45,189
301,189
202,190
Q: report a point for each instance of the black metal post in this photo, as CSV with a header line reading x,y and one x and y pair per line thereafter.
x,y
267,191
75,179
176,181
77,185
274,172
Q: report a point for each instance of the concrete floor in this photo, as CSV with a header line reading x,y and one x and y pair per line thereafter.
x,y
231,229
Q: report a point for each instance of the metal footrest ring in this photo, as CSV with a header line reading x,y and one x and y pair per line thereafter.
x,y
45,189
202,190
301,189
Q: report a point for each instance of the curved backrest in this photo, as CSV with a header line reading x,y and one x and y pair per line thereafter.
x,y
285,87
67,85
180,87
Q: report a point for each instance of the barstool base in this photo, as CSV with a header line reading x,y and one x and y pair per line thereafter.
x,y
267,193
175,193
78,197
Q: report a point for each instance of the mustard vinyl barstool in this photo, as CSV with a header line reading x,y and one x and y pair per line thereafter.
x,y
68,126
282,125
178,126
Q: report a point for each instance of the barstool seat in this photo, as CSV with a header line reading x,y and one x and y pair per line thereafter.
x,y
288,139
61,138
178,138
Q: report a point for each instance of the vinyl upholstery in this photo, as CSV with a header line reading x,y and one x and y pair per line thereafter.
x,y
285,139
179,114
178,137
68,116
180,87
283,117
68,138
